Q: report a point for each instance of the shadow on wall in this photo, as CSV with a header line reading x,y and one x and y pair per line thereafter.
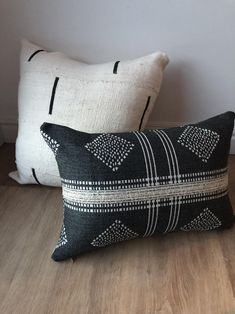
x,y
173,103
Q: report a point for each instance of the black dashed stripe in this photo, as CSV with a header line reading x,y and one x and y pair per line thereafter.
x,y
35,177
115,67
36,52
145,109
53,95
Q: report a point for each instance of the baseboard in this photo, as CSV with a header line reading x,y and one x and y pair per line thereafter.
x,y
9,127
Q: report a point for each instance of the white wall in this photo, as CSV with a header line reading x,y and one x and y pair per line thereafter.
x,y
199,37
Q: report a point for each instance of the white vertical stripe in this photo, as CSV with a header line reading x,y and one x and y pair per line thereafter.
x,y
148,156
175,207
173,220
167,156
151,225
149,218
153,157
178,214
154,214
147,174
178,205
145,160
173,167
173,150
171,209
169,150
172,216
156,206
155,209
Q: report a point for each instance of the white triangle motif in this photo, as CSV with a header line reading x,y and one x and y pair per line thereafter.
x,y
203,222
114,233
63,237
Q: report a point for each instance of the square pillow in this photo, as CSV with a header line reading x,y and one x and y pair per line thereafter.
x,y
112,97
137,184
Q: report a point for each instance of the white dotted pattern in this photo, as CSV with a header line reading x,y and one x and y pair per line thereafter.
x,y
205,221
201,142
116,232
63,238
112,150
53,144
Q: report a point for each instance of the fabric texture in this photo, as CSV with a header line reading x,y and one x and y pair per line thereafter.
x,y
137,184
112,97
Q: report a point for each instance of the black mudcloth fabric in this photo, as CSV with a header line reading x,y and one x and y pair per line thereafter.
x,y
126,185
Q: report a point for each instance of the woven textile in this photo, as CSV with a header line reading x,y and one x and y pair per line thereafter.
x,y
137,184
111,97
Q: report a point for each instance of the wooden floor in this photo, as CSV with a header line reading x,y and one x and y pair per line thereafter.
x,y
175,273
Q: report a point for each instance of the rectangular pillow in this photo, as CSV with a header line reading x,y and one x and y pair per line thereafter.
x,y
112,97
137,184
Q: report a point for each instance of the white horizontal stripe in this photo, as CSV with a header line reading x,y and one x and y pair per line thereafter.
x,y
186,176
146,193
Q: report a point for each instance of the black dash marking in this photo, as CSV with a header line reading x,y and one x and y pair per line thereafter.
x,y
115,67
36,52
53,95
35,177
145,109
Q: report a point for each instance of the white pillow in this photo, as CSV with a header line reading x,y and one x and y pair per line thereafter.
x,y
110,97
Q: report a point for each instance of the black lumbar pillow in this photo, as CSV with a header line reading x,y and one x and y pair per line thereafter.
x,y
126,185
